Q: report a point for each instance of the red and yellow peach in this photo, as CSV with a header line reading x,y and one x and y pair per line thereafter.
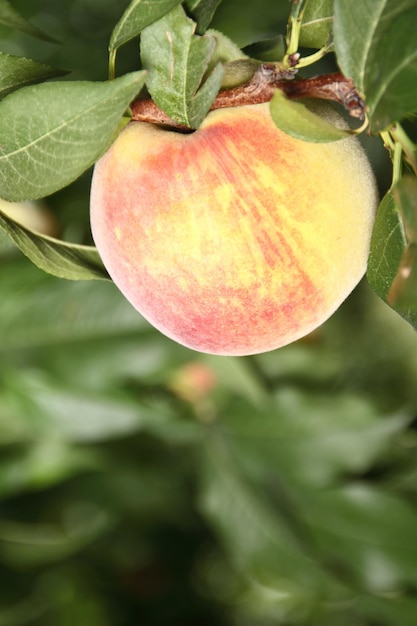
x,y
237,238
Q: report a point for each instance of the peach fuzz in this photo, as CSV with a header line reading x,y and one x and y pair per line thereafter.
x,y
235,239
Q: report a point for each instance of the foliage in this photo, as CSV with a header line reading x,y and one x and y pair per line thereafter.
x,y
141,482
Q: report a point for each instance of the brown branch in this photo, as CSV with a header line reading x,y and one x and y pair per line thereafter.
x,y
261,88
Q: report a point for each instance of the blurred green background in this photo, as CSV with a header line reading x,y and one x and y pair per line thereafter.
x,y
142,483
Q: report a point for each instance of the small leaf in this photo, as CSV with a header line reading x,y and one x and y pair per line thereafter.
x,y
138,15
296,120
11,18
51,133
317,24
387,246
376,45
17,72
56,257
392,267
177,61
402,295
267,50
202,12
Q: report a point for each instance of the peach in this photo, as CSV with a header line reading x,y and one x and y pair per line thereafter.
x,y
235,239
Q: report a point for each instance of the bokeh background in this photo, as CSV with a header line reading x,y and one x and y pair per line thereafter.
x,y
142,483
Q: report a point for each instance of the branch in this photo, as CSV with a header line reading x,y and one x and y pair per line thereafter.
x,y
261,87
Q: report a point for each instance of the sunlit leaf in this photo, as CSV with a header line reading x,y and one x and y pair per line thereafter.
x,y
51,133
177,60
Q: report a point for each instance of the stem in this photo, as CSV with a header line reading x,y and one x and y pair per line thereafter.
x,y
261,88
112,64
408,147
294,28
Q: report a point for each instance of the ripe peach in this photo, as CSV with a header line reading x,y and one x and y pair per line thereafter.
x,y
235,239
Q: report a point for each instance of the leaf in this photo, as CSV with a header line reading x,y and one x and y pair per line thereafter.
x,y
267,50
296,120
376,45
138,15
316,27
296,435
402,295
11,18
370,532
387,246
177,61
16,72
45,313
51,133
202,12
261,541
392,266
59,258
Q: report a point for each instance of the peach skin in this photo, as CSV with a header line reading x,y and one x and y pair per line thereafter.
x,y
235,239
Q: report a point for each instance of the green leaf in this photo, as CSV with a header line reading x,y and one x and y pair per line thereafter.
x,y
295,435
177,61
16,72
202,12
392,267
376,45
59,258
45,312
403,292
369,532
138,15
387,246
267,50
296,120
261,541
51,133
316,27
11,18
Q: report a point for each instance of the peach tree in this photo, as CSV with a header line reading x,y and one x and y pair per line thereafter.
x,y
143,481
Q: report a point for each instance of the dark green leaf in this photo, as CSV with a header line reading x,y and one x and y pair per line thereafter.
x,y
376,45
177,61
298,121
317,24
16,72
56,257
267,50
202,12
51,133
138,15
12,18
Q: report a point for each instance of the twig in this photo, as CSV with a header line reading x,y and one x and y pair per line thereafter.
x,y
261,88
